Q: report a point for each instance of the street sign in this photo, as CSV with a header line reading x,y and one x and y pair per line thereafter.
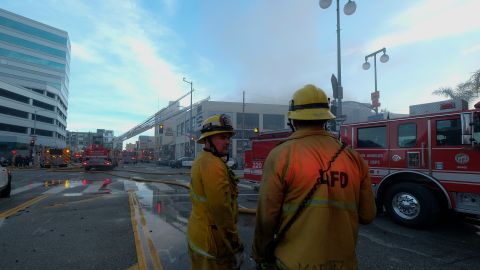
x,y
334,81
375,96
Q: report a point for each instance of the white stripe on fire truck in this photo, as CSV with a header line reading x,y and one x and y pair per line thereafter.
x,y
463,177
253,171
460,182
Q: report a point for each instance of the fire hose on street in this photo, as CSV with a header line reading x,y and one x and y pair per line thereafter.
x,y
167,182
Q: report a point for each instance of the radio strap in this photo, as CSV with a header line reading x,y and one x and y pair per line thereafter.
x,y
279,236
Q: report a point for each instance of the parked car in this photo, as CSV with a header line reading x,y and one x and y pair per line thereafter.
x,y
5,182
182,162
163,162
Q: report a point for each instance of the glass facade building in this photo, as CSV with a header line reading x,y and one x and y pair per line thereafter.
x,y
34,79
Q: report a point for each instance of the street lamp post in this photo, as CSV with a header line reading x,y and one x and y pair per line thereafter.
x,y
191,113
348,9
384,58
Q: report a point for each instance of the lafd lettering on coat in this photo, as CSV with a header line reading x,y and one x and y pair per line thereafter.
x,y
333,178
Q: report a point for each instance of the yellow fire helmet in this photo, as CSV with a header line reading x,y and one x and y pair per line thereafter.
x,y
215,124
309,103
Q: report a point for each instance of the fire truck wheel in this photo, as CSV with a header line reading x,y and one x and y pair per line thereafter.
x,y
412,205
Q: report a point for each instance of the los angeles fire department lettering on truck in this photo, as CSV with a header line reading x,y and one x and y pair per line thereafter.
x,y
420,164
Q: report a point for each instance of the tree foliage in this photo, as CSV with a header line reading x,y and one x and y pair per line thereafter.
x,y
467,90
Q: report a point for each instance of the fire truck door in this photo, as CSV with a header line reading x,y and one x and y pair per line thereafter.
x,y
409,145
448,152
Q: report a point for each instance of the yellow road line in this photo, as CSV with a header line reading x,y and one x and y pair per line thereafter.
x,y
157,265
74,202
135,267
22,206
138,245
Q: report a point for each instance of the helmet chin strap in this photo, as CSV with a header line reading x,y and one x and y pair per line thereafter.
x,y
290,124
214,150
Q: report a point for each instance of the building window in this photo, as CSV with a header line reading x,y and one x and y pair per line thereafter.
x,y
43,119
13,128
449,132
14,96
13,112
273,121
43,105
42,132
407,135
32,30
244,134
51,95
251,120
32,45
372,137
36,90
31,59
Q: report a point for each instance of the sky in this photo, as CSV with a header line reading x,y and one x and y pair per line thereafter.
x,y
128,58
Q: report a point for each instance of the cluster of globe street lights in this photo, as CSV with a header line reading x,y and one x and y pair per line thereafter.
x,y
384,58
348,9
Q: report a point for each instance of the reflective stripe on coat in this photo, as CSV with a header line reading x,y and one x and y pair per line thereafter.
x,y
324,236
212,229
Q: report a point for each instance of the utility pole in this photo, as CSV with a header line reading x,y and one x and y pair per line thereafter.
x,y
191,114
243,129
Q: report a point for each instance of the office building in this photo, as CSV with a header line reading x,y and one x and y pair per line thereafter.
x,y
34,79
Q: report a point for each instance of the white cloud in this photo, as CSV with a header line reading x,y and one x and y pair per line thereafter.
x,y
471,50
430,19
85,53
127,72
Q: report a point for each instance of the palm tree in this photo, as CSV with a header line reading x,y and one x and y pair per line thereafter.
x,y
467,90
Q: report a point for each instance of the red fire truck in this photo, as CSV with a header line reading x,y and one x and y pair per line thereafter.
x,y
51,157
420,165
98,157
261,145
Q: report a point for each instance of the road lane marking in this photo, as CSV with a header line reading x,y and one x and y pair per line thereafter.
x,y
22,206
138,246
93,187
25,188
55,190
153,251
135,267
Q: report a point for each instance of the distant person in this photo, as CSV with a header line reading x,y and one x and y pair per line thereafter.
x,y
213,238
18,160
313,195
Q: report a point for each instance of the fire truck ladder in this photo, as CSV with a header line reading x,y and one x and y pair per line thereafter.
x,y
159,117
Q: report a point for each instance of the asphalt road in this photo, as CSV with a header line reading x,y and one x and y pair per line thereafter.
x,y
77,220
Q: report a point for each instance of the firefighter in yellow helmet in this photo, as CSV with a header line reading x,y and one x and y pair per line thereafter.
x,y
313,195
213,237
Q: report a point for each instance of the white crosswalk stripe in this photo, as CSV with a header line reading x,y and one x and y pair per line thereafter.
x,y
25,188
55,190
93,187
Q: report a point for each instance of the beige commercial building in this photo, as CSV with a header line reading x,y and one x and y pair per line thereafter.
x,y
176,136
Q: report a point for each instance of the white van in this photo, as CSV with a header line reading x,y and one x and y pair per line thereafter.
x,y
5,182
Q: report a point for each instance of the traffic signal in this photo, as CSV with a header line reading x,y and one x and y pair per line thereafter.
x,y
256,130
160,129
32,142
